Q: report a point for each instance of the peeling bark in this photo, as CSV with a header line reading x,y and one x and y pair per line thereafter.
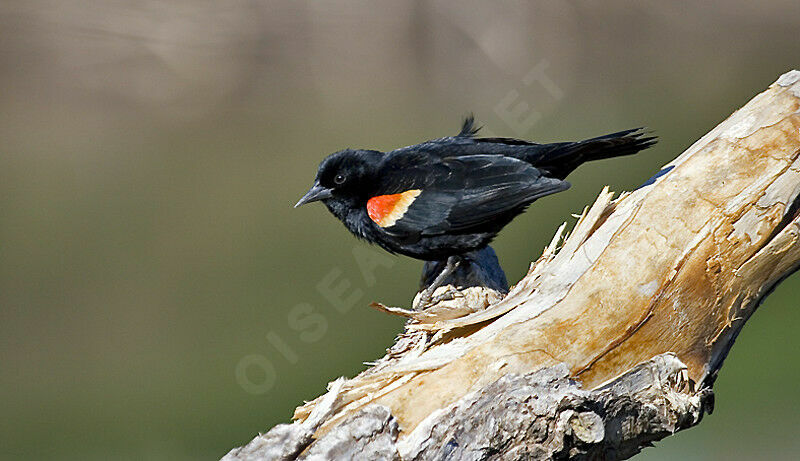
x,y
664,276
541,415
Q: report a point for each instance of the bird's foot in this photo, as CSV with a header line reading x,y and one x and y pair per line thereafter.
x,y
427,298
423,302
448,295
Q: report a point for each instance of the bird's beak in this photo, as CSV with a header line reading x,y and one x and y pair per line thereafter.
x,y
316,192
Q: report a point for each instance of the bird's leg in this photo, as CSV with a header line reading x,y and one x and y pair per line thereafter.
x,y
426,297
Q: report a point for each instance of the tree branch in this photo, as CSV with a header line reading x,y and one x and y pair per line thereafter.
x,y
664,277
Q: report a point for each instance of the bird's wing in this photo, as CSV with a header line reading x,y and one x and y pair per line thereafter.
x,y
455,194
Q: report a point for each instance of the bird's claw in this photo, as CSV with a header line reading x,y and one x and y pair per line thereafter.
x,y
449,295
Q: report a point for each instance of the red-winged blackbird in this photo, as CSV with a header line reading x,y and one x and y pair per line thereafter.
x,y
450,196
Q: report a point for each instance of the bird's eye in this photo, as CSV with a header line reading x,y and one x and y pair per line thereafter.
x,y
339,179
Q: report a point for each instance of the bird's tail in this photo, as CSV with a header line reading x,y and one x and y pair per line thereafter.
x,y
560,159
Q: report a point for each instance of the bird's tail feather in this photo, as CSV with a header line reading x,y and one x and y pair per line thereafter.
x,y
560,159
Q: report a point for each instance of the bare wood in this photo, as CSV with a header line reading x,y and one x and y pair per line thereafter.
x,y
676,266
503,420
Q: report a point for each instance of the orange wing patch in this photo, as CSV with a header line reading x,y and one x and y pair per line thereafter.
x,y
385,210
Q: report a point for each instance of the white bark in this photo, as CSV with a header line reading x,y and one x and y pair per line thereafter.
x,y
675,267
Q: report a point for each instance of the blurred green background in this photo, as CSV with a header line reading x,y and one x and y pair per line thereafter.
x,y
151,152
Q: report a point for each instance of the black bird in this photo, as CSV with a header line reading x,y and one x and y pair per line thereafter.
x,y
440,199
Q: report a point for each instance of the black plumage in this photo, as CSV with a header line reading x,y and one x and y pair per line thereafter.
x,y
453,194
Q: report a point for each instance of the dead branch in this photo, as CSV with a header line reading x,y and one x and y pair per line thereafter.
x,y
610,342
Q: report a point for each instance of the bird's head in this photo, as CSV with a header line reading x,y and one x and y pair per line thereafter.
x,y
342,175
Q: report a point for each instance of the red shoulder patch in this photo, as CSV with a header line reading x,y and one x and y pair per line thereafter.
x,y
385,210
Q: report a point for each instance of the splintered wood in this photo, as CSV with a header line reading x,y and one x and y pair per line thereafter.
x,y
676,266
